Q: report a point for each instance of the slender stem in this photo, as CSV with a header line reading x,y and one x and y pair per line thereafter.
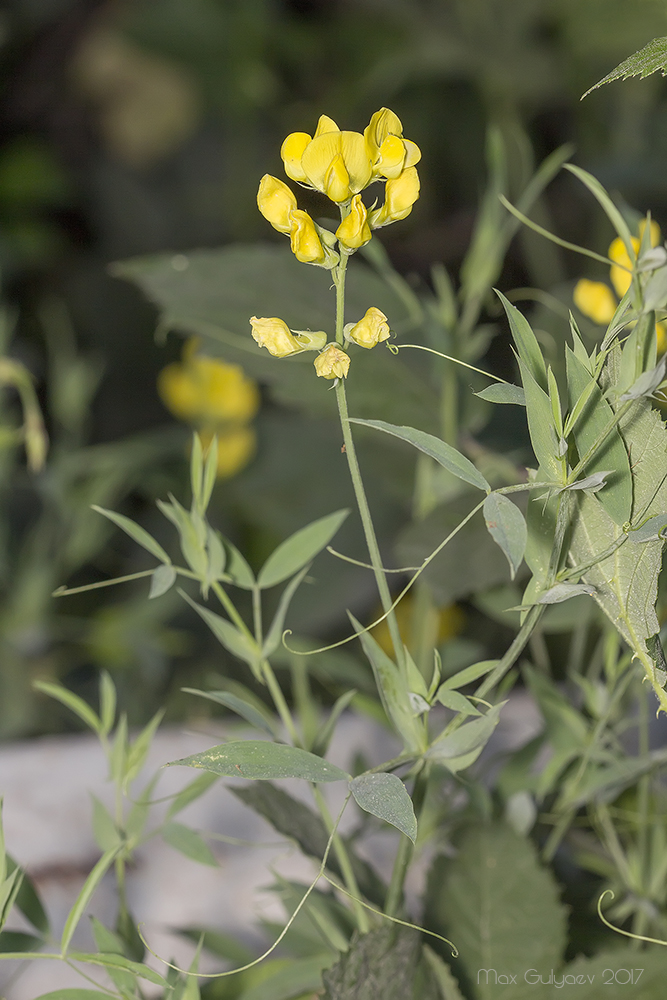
x,y
228,605
344,862
367,522
282,708
394,899
257,615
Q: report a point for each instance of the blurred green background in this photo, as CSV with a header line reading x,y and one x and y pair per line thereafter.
x,y
143,127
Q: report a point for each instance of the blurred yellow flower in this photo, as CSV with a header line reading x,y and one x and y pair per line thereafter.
x,y
217,398
596,300
371,329
332,362
450,622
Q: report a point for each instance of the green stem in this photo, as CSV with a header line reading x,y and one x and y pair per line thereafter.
x,y
282,708
394,899
228,605
344,862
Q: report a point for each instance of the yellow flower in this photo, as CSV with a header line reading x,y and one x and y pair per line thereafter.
x,y
236,447
276,202
372,329
337,164
275,335
279,340
218,398
354,230
400,196
622,268
595,299
207,390
447,623
305,241
332,362
389,152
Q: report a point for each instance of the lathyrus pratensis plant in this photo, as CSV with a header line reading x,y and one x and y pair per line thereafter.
x,y
595,525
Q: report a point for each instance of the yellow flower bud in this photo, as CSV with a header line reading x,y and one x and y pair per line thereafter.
x,y
276,202
275,335
309,340
332,362
372,329
306,244
326,175
291,152
400,196
621,270
595,300
354,230
661,335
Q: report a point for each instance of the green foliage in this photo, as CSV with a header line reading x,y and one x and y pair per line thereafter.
x,y
264,760
386,964
384,795
650,59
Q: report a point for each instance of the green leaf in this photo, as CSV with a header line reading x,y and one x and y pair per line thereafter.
x,y
294,819
385,964
274,635
598,975
8,892
650,531
625,582
192,534
84,897
650,59
231,638
28,902
507,527
500,907
449,989
189,843
393,689
503,392
71,701
470,674
454,749
293,554
385,796
111,961
456,701
263,759
613,214
162,580
236,567
323,737
526,342
107,702
595,417
449,458
74,994
135,531
105,832
256,718
110,943
19,941
563,592
298,978
543,433
191,793
138,750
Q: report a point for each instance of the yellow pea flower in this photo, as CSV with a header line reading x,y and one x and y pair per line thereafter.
x,y
276,202
207,390
291,152
324,170
595,299
332,362
354,231
400,196
304,238
389,152
218,398
275,335
236,447
621,270
372,329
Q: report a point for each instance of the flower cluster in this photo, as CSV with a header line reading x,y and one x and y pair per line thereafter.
x,y
341,165
596,299
217,398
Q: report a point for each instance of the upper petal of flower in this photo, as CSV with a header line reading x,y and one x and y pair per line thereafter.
x,y
275,335
324,125
320,154
276,202
291,152
382,124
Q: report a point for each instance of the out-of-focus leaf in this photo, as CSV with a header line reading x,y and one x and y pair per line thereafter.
x,y
564,591
162,580
263,759
449,749
229,635
298,978
136,532
71,701
385,964
191,793
385,796
247,711
189,843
